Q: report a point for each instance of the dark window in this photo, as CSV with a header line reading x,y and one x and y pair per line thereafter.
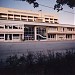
x,y
1,27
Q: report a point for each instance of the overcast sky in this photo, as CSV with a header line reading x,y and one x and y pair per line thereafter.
x,y
64,17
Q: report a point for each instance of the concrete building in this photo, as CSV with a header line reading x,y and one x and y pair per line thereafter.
x,y
21,25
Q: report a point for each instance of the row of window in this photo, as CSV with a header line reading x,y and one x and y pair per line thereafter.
x,y
60,29
54,36
9,36
11,27
3,16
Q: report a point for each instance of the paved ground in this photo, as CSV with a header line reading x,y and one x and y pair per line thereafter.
x,y
7,49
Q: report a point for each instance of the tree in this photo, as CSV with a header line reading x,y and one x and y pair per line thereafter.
x,y
60,3
57,6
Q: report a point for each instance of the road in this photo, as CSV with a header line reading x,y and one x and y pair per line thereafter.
x,y
19,48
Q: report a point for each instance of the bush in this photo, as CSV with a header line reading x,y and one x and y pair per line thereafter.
x,y
39,64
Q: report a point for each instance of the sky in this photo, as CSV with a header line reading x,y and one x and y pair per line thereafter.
x,y
64,17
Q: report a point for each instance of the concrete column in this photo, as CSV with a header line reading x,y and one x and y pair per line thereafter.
x,y
22,36
8,37
12,37
35,32
56,37
7,16
13,16
4,37
20,17
72,36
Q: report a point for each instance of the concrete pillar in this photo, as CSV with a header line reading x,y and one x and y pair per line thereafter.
x,y
72,36
7,16
22,36
12,37
35,32
20,17
13,16
56,37
4,37
8,37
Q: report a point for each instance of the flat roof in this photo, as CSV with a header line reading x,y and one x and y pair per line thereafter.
x,y
2,22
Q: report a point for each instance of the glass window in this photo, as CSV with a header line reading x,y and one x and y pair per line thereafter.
x,y
1,36
6,26
15,36
30,16
1,27
28,32
51,35
15,27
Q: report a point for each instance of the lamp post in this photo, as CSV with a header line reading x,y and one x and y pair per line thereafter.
x,y
41,13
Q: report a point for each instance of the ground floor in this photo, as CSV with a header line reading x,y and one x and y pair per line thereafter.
x,y
34,33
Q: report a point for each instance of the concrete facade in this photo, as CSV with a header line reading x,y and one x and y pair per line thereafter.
x,y
21,25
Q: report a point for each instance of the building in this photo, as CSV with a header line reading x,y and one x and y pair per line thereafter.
x,y
21,25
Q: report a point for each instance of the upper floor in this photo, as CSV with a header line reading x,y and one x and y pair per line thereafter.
x,y
27,16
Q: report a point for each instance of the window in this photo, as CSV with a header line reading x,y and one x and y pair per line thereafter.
x,y
23,16
47,21
10,27
55,19
15,27
16,17
20,27
15,36
69,29
6,26
10,16
51,18
51,22
56,22
41,30
30,16
30,20
63,29
68,36
51,35
53,28
46,18
40,20
1,27
1,36
29,33
3,16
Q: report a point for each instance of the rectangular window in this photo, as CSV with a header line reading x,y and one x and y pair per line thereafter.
x,y
3,16
1,27
51,35
15,36
68,36
46,18
15,27
10,16
47,21
6,26
30,16
1,36
30,20
51,18
51,22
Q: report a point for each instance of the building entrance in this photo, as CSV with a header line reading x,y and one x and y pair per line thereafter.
x,y
28,32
